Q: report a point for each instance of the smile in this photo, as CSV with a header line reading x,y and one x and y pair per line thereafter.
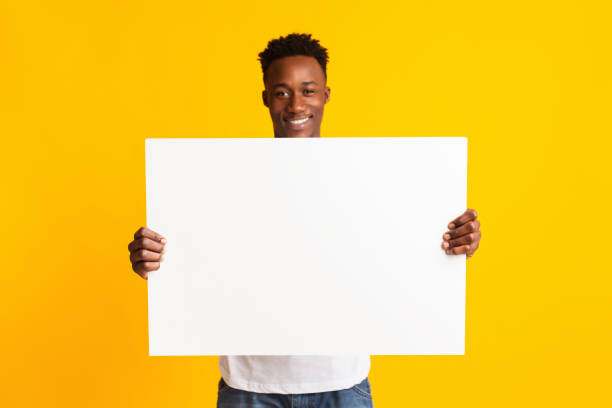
x,y
298,124
299,121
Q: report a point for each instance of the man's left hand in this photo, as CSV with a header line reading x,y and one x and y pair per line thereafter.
x,y
463,235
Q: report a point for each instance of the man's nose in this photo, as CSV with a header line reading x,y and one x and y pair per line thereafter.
x,y
296,103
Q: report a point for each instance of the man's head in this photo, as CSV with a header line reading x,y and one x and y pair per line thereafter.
x,y
295,79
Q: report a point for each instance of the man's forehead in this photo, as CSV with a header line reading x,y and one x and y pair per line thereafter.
x,y
285,84
295,70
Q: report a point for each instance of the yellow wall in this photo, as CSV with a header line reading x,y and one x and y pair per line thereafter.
x,y
83,83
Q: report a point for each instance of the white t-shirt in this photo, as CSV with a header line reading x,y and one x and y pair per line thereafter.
x,y
293,374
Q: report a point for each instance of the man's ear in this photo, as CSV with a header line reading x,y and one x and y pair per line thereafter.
x,y
264,96
327,93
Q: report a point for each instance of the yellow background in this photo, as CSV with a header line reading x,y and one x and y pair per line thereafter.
x,y
83,83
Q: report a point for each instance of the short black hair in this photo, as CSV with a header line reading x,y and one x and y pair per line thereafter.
x,y
293,44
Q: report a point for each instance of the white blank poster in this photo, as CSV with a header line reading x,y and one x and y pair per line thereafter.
x,y
308,246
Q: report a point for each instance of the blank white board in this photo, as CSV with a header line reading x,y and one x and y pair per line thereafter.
x,y
310,246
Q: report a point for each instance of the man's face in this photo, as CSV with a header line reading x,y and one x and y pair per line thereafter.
x,y
296,94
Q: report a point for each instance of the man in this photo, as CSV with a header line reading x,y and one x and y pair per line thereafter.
x,y
296,91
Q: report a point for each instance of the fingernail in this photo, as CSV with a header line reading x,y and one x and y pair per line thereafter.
x,y
161,259
451,226
445,245
163,240
446,236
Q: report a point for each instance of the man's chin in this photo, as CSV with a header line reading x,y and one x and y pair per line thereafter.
x,y
294,134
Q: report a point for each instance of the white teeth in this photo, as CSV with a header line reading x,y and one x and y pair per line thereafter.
x,y
297,122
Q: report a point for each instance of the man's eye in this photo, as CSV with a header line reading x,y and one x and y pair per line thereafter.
x,y
309,91
280,93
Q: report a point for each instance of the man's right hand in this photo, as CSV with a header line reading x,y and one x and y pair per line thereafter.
x,y
146,251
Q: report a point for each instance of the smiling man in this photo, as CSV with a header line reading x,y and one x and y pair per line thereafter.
x,y
296,91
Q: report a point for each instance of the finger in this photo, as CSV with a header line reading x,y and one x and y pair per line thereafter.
x,y
465,229
467,216
145,255
143,268
473,248
463,249
144,232
465,239
146,243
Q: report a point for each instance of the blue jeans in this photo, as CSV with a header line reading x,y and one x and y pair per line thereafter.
x,y
359,396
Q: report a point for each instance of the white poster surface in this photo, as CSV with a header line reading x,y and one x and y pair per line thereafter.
x,y
308,246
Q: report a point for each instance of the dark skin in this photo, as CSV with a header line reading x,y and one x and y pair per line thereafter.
x,y
296,90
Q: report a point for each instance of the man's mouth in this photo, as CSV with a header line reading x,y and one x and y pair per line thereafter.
x,y
298,123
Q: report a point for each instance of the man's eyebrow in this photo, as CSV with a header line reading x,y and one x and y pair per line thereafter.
x,y
287,86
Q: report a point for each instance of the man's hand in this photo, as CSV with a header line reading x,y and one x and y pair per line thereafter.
x,y
463,236
146,251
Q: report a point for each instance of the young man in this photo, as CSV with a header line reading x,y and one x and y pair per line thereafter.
x,y
296,91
